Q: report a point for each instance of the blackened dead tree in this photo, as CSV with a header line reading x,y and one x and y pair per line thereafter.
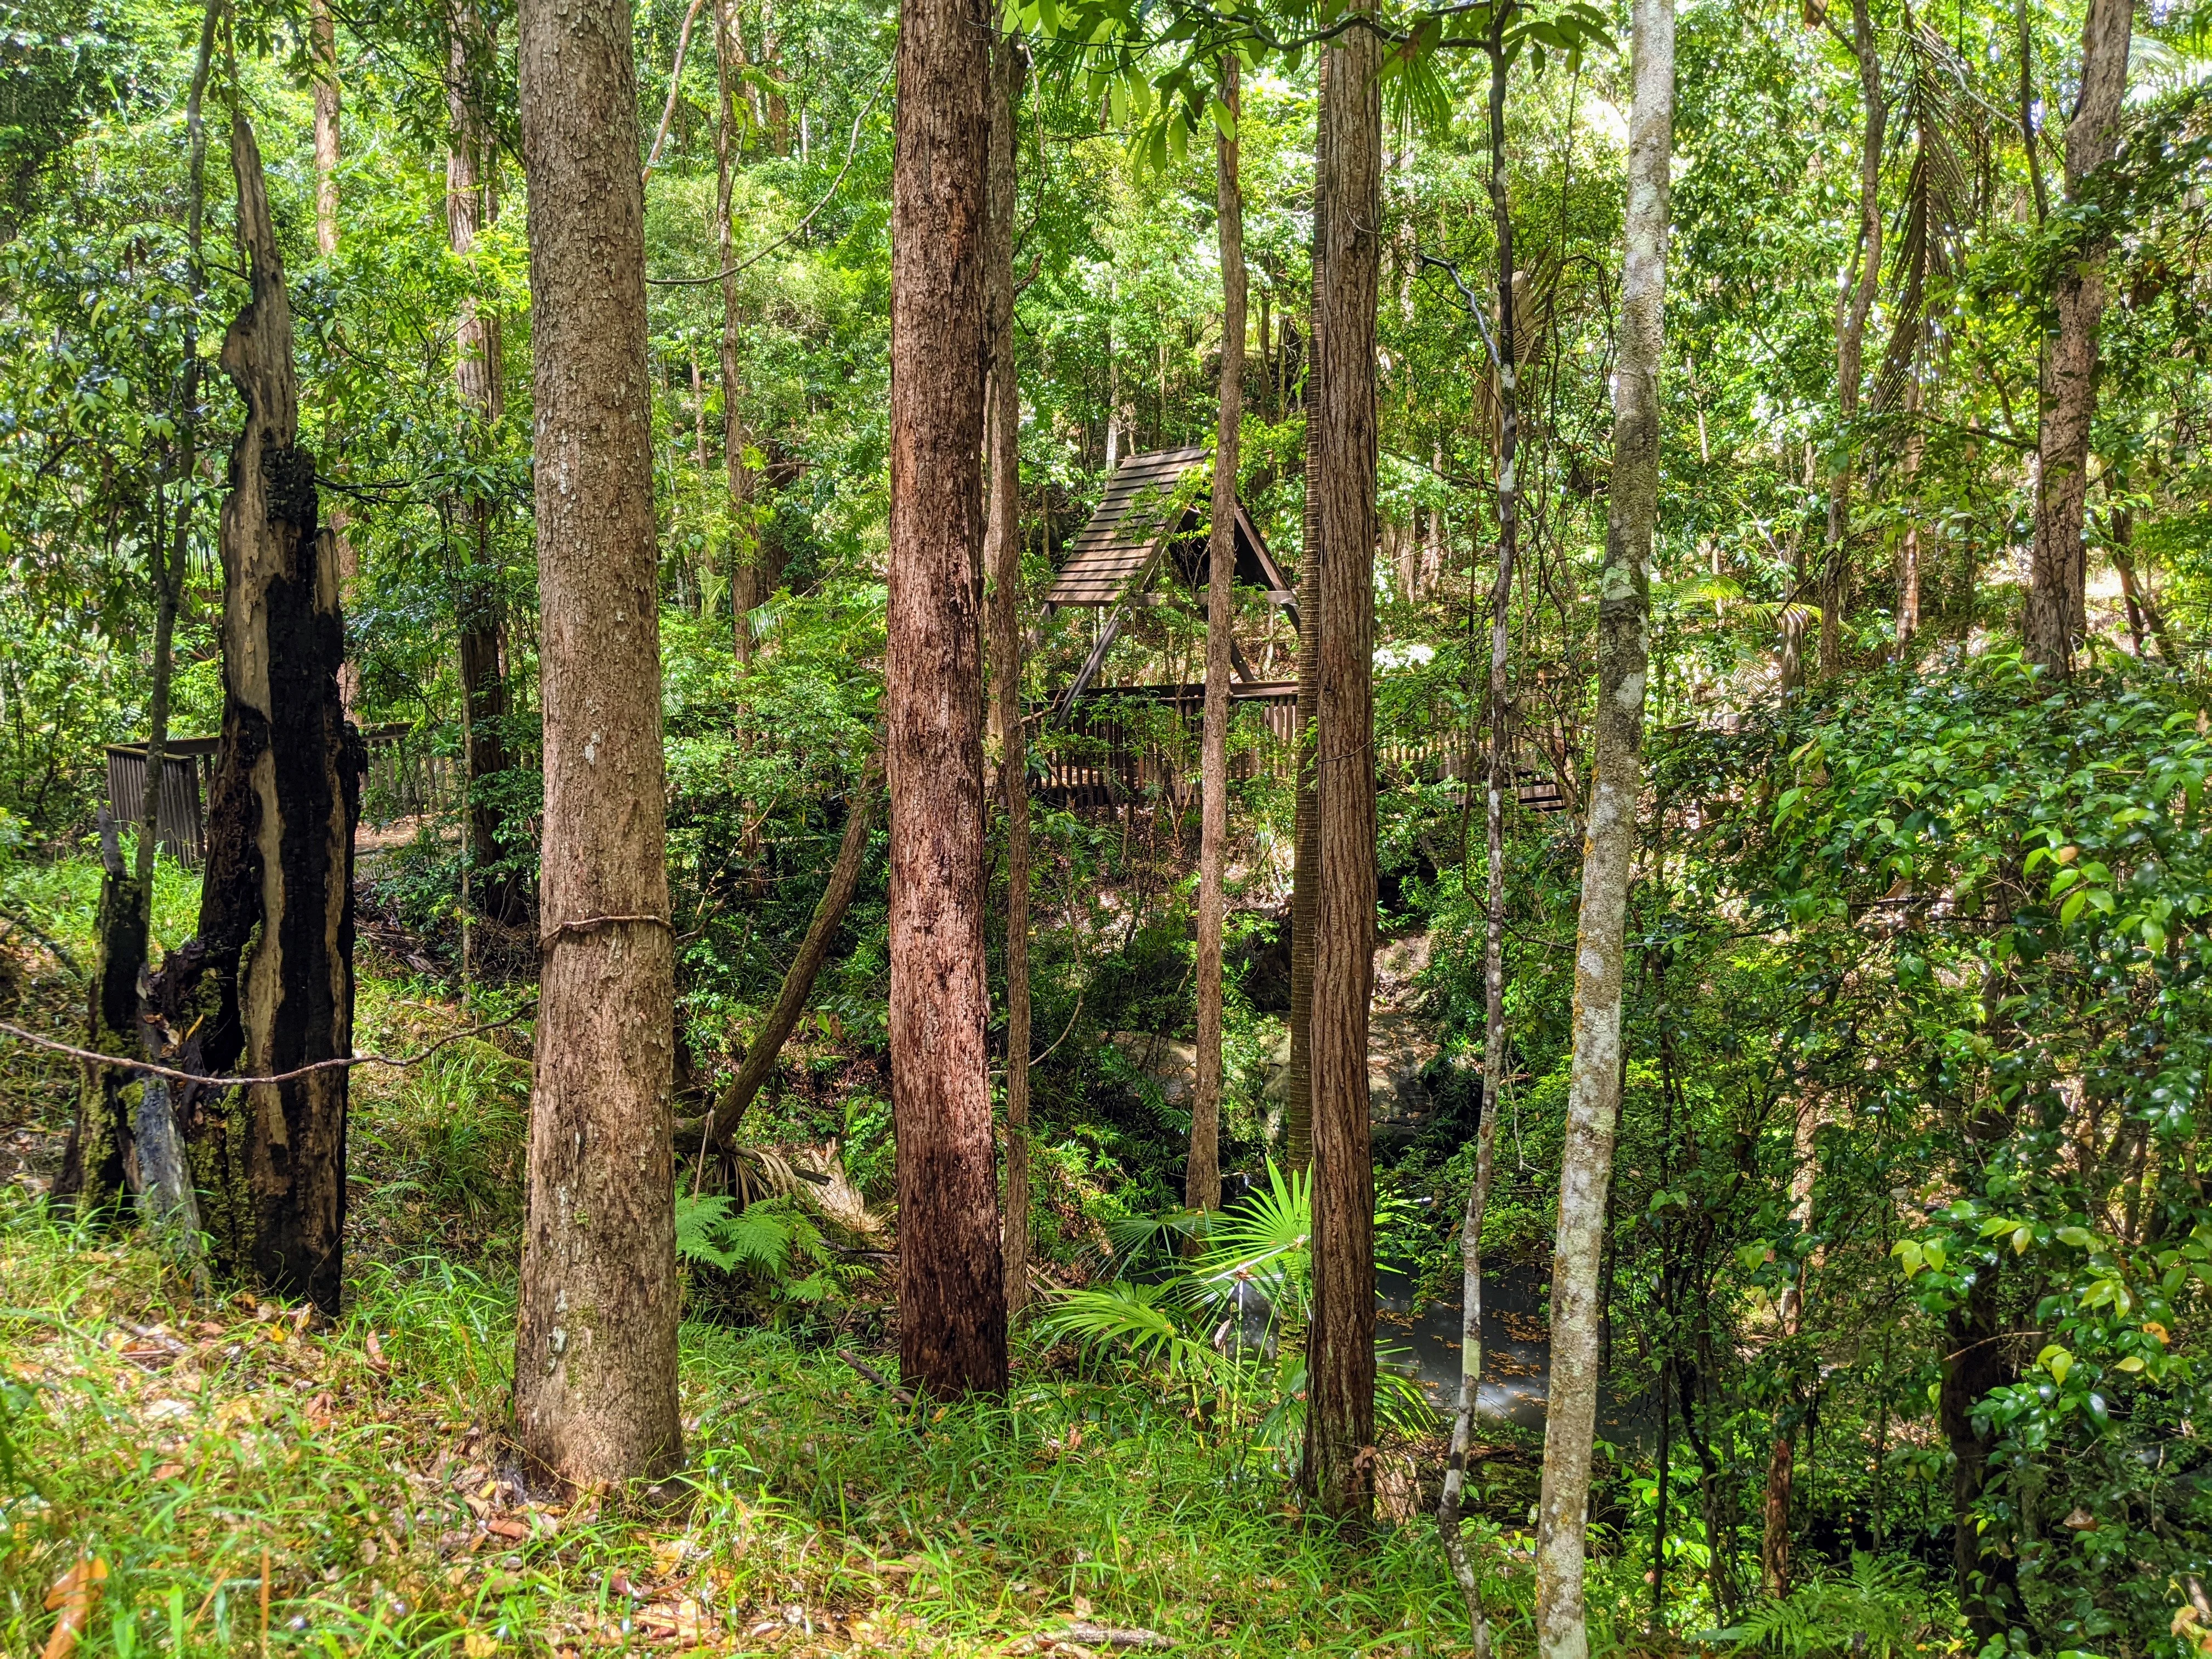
x,y
267,986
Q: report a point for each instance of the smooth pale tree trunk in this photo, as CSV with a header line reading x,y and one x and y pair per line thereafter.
x,y
1854,304
1624,618
952,1302
1494,1063
745,581
1305,867
472,204
323,50
2058,600
1908,557
96,1159
1339,1465
595,1334
1002,557
267,984
1202,1181
1782,1456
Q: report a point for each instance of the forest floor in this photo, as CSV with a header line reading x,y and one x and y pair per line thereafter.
x,y
251,1479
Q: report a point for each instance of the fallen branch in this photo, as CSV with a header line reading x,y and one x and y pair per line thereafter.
x,y
720,1126
902,1395
147,1068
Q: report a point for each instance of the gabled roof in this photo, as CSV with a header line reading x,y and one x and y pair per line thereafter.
x,y
1117,552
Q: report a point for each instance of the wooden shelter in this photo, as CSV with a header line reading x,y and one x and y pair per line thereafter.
x,y
1151,518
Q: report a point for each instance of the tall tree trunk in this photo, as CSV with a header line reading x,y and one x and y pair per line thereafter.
x,y
2144,610
595,1335
1494,1062
1202,1183
952,1302
1305,842
1002,555
323,50
1624,617
97,1155
2058,603
268,982
1908,557
1339,1470
745,581
472,204
1854,304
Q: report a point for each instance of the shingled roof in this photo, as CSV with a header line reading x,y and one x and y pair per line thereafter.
x,y
1120,549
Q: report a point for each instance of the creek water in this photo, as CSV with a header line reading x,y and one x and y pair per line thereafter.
x,y
1517,1352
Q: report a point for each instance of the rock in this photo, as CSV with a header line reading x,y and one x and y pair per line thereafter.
x,y
1167,1062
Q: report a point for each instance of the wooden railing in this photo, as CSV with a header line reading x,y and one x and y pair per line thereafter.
x,y
1139,743
405,778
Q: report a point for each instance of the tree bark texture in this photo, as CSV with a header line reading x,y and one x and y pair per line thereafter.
x,y
745,581
267,985
595,1334
1002,557
1339,1470
1624,617
472,204
953,1304
1202,1181
1854,304
1305,854
2057,601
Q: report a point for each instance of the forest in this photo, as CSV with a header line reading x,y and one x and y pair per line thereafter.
x,y
677,975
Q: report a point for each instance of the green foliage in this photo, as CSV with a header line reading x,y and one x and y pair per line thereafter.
x,y
1882,1609
770,1239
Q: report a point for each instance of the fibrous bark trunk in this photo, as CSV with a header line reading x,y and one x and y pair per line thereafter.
x,y
1203,1180
744,581
1338,1470
1854,304
953,1304
267,984
1002,557
1305,854
1624,615
2058,599
472,204
595,1334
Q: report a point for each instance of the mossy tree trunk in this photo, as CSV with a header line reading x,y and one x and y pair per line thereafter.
x,y
1623,654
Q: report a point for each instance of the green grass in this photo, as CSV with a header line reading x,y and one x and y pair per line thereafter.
x,y
368,1488
812,1508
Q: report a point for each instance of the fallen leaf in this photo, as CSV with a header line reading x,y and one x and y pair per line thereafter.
x,y
2080,1521
1082,1608
167,1471
74,1594
374,1350
478,1645
507,1527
